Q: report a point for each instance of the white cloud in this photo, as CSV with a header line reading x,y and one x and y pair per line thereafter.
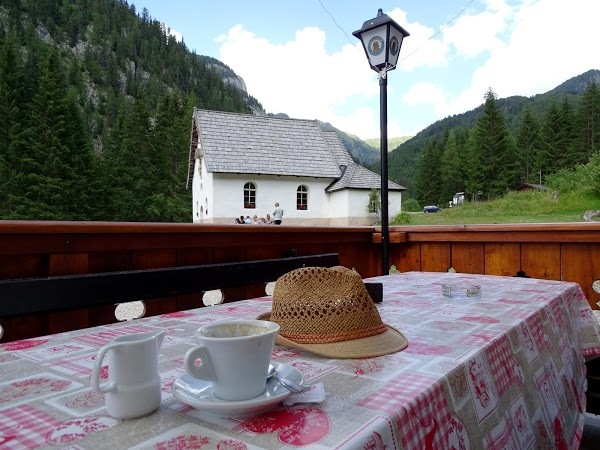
x,y
300,78
418,49
472,35
178,36
524,47
425,93
170,31
550,41
363,122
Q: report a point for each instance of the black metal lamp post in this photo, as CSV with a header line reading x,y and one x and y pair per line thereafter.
x,y
382,38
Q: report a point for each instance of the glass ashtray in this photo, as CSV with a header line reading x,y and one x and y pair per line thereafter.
x,y
466,291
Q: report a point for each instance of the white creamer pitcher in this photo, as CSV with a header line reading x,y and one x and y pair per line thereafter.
x,y
134,385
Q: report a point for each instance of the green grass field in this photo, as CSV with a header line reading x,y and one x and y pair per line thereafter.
x,y
515,207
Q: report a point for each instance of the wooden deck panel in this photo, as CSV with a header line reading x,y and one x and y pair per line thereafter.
x,y
581,264
541,260
502,258
406,258
468,257
569,252
435,256
362,257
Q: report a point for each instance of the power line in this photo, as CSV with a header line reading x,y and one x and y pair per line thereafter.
x,y
334,21
438,31
418,48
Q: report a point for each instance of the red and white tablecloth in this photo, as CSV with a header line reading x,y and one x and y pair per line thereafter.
x,y
504,371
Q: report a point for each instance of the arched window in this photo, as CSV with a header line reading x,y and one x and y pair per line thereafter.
x,y
250,196
302,197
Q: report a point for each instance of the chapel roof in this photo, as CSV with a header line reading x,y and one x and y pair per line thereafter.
x,y
354,176
247,143
266,145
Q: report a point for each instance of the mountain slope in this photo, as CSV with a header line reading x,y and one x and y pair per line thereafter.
x,y
361,152
393,143
577,85
403,161
99,101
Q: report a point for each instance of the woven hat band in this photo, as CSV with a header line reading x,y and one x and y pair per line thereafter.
x,y
335,337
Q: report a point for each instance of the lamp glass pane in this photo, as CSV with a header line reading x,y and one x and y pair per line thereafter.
x,y
374,41
395,45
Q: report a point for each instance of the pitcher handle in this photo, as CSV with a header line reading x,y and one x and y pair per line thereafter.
x,y
95,378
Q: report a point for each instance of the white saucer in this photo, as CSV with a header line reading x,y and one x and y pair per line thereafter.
x,y
199,394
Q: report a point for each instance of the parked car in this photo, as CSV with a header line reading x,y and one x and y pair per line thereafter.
x,y
431,209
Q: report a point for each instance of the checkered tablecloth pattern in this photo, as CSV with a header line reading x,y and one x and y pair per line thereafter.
x,y
503,370
397,393
24,427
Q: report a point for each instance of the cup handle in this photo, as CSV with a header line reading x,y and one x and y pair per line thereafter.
x,y
95,378
204,371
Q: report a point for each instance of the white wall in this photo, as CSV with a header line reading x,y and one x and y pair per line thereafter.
x,y
220,198
197,194
355,203
228,196
338,204
395,203
202,193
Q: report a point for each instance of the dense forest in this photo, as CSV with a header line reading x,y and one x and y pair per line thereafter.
x,y
490,150
96,102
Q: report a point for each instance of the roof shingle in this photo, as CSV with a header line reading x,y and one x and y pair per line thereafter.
x,y
355,176
245,143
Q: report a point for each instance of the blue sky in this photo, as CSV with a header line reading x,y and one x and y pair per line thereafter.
x,y
299,56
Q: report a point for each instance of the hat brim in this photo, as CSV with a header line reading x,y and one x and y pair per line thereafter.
x,y
390,341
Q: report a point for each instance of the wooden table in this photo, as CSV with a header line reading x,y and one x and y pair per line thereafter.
x,y
502,371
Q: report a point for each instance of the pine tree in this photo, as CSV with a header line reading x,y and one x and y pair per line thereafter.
x,y
529,146
129,175
497,162
571,154
80,179
12,114
474,176
589,120
429,174
551,159
170,135
452,171
111,170
46,126
59,153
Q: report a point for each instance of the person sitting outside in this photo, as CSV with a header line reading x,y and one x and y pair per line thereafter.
x,y
248,220
268,220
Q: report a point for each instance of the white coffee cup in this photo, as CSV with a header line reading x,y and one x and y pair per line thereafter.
x,y
234,356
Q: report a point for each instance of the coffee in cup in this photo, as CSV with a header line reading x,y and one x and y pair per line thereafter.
x,y
234,355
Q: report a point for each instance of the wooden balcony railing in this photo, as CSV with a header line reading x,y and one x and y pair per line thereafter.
x,y
569,252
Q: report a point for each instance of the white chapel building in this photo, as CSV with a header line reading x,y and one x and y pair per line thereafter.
x,y
241,164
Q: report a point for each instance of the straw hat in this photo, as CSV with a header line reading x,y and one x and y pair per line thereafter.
x,y
328,312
